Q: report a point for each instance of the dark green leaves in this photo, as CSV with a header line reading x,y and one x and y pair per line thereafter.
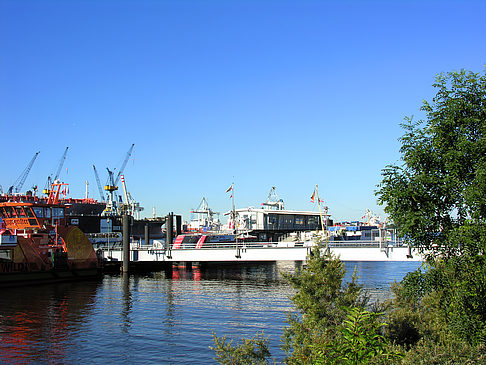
x,y
441,184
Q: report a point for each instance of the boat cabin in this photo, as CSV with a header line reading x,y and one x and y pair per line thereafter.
x,y
31,216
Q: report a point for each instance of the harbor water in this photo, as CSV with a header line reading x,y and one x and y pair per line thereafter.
x,y
158,319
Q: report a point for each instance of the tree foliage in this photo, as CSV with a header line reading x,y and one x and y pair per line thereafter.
x,y
251,351
321,300
329,326
359,341
436,197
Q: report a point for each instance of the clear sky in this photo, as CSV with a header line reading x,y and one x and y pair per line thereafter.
x,y
263,93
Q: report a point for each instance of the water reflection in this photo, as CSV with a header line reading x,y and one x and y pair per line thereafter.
x,y
155,318
36,323
127,303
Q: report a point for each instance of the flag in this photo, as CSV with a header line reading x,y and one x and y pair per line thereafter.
x,y
229,189
313,196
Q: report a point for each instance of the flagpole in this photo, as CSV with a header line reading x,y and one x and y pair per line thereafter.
x,y
320,211
322,220
233,210
235,231
233,197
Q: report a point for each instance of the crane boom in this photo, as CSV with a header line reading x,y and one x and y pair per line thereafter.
x,y
23,176
61,162
100,189
129,153
127,201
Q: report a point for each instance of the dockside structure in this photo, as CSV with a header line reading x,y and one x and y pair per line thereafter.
x,y
271,225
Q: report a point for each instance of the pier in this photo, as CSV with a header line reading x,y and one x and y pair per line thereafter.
x,y
147,256
188,250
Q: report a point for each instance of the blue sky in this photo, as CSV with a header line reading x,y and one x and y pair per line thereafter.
x,y
263,93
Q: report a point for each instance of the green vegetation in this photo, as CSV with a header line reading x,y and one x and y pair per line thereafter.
x,y
251,351
437,198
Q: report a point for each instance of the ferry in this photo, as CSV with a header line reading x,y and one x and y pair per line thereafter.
x,y
37,244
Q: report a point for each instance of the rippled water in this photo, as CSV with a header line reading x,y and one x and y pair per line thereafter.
x,y
156,319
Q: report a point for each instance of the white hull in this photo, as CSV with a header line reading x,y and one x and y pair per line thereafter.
x,y
269,253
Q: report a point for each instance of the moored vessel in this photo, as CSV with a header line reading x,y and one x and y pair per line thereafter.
x,y
37,243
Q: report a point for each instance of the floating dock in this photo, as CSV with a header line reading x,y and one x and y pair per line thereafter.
x,y
149,256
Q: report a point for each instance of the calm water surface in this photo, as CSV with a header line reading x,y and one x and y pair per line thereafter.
x,y
156,319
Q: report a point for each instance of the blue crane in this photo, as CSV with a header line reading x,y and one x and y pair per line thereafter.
x,y
100,189
17,185
50,180
120,172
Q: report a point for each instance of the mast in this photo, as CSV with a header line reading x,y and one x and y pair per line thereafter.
x,y
235,231
320,210
233,211
322,220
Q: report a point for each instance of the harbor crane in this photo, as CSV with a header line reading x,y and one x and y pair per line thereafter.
x,y
17,185
111,185
50,180
120,171
111,188
205,215
273,201
132,207
100,189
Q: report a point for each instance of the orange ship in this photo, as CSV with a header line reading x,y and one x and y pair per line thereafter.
x,y
37,244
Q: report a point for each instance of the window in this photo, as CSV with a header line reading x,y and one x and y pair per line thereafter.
x,y
28,212
57,212
299,220
9,211
272,219
312,222
39,212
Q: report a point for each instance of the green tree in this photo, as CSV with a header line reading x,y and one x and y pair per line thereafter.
x,y
321,300
358,341
437,196
437,199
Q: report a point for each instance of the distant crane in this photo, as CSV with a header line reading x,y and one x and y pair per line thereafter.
x,y
120,171
100,189
131,207
273,201
111,185
50,180
15,188
111,188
